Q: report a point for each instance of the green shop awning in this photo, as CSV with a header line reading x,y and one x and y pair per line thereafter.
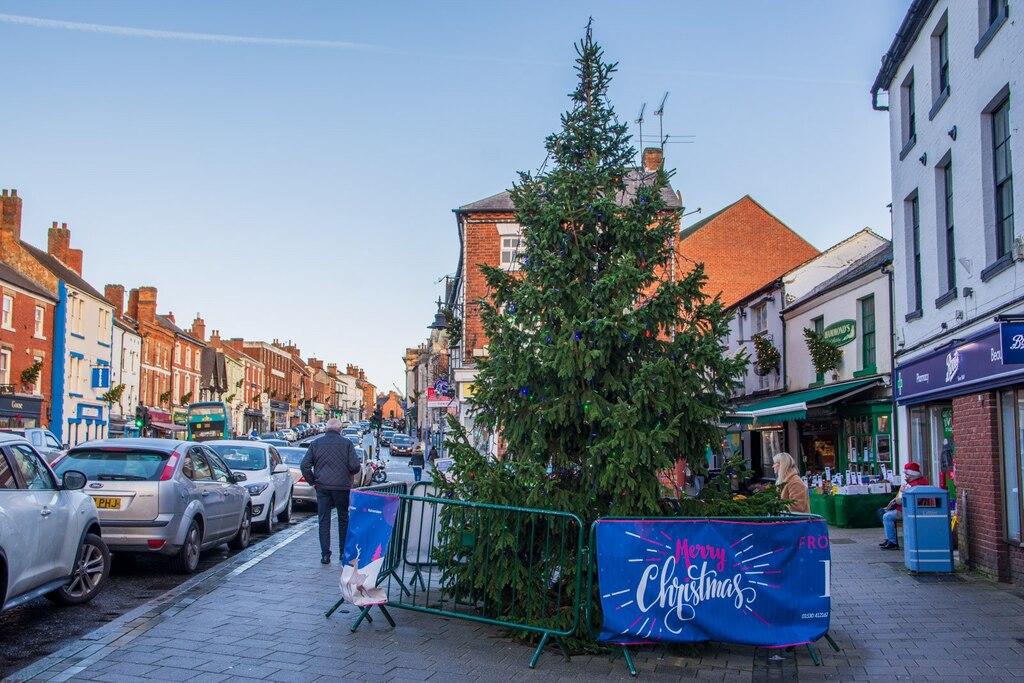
x,y
794,405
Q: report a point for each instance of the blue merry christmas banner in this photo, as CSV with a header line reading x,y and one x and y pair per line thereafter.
x,y
371,519
755,583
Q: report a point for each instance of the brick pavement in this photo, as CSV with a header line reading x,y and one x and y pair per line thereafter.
x,y
259,617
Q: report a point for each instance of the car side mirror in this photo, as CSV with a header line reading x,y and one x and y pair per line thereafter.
x,y
281,469
239,476
73,480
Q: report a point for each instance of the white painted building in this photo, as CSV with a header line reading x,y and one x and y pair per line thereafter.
x,y
126,369
951,83
758,425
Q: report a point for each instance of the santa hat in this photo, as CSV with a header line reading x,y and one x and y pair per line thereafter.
x,y
912,470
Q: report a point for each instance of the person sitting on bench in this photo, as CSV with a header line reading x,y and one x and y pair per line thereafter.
x,y
894,510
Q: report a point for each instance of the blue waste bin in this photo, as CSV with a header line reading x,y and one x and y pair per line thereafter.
x,y
927,540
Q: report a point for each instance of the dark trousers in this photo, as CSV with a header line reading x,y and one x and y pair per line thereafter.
x,y
327,500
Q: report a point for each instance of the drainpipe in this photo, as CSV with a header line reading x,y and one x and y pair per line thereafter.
x,y
888,270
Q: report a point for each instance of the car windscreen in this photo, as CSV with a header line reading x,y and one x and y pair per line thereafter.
x,y
249,458
292,456
121,464
402,439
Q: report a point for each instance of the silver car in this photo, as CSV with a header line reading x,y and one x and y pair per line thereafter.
x,y
163,496
302,492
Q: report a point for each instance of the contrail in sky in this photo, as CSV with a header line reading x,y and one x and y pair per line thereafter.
x,y
367,47
180,35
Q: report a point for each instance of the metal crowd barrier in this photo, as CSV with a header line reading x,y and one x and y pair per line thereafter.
x,y
444,553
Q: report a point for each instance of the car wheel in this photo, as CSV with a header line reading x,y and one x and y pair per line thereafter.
x,y
379,476
244,535
187,559
268,526
89,576
286,515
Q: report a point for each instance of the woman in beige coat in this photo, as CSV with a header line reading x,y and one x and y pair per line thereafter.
x,y
793,487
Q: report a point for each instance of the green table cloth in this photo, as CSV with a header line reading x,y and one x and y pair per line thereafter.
x,y
825,506
860,512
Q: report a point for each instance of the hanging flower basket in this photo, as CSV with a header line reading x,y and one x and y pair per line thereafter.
x,y
768,357
825,356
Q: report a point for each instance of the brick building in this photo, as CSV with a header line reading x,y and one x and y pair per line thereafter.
x,y
742,247
26,339
155,386
366,390
186,367
250,392
276,365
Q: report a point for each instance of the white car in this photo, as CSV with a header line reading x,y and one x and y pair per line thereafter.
x,y
50,540
289,434
266,477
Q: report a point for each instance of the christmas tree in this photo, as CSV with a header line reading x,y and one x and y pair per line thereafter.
x,y
605,362
603,367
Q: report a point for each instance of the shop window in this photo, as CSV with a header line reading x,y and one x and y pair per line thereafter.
x,y
920,438
867,326
1012,414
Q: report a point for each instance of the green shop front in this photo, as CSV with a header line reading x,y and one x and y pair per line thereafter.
x,y
834,429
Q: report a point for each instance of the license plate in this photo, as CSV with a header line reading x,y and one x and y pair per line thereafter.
x,y
107,503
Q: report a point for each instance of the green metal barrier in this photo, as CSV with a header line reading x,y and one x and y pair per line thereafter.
x,y
592,626
450,551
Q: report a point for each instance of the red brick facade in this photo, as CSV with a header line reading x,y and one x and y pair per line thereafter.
x,y
23,346
742,247
979,480
157,348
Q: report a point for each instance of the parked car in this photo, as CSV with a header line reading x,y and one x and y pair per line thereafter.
x,y
267,479
42,440
403,444
276,442
163,496
304,443
302,492
50,535
288,434
269,435
350,430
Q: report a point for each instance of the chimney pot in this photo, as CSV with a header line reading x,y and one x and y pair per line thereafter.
x,y
654,159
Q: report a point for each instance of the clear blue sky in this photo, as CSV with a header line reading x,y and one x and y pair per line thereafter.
x,y
299,183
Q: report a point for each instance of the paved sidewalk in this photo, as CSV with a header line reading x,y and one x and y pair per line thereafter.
x,y
261,617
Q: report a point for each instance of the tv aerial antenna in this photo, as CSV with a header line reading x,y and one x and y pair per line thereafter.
x,y
660,113
640,122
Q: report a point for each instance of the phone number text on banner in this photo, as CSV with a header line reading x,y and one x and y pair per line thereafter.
x,y
756,583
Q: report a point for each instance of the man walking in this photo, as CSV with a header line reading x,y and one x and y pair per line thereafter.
x,y
328,466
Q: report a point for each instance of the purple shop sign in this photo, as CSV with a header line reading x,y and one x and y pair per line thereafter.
x,y
973,364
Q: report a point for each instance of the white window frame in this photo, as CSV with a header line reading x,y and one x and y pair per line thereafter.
x,y
760,316
177,353
5,366
511,246
8,314
188,356
40,322
38,388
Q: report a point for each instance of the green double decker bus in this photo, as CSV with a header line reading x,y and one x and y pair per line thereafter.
x,y
207,421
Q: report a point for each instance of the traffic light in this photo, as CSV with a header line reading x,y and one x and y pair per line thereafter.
x,y
141,417
391,414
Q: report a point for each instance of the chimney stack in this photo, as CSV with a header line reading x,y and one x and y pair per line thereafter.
x,y
146,304
215,338
654,159
170,316
199,328
10,213
115,295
